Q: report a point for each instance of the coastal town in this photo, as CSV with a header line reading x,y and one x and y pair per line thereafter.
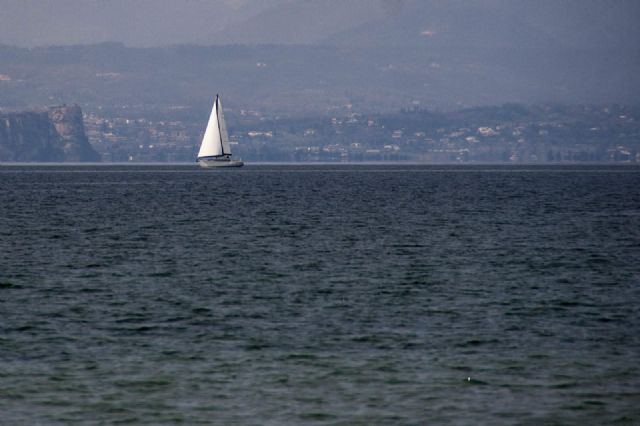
x,y
510,133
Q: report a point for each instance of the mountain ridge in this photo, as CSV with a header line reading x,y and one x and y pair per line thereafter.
x,y
312,79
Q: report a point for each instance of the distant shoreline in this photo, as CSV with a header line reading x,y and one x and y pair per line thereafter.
x,y
309,163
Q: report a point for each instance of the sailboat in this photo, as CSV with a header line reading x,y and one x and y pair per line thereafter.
x,y
214,150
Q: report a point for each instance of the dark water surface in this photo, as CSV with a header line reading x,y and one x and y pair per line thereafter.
x,y
343,295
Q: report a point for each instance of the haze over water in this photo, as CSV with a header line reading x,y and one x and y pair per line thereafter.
x,y
346,294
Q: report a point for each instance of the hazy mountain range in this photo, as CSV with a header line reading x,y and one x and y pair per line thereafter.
x,y
584,24
452,23
310,56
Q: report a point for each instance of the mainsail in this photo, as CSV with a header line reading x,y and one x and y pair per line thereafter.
x,y
215,142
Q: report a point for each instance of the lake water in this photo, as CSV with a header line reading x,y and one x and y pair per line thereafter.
x,y
337,295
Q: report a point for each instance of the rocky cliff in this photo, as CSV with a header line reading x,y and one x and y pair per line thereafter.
x,y
53,135
73,141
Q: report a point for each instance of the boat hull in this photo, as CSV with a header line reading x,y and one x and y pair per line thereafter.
x,y
211,163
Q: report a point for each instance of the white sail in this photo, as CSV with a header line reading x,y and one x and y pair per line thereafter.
x,y
224,136
212,144
214,150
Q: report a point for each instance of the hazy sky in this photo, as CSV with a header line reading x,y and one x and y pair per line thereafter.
x,y
577,23
134,22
